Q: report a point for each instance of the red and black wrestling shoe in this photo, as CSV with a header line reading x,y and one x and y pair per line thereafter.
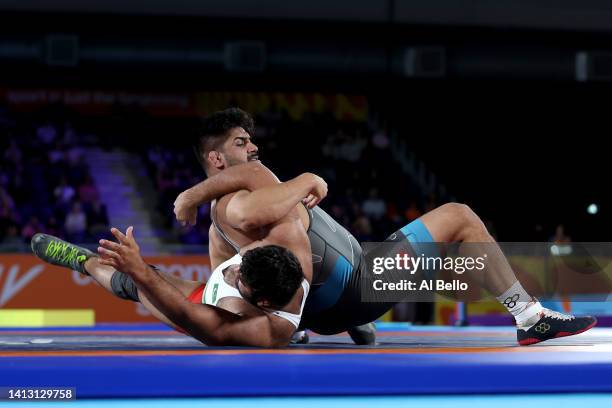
x,y
552,325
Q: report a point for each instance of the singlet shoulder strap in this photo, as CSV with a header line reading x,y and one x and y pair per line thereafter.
x,y
294,318
213,217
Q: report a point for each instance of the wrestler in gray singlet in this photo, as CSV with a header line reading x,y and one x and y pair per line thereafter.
x,y
334,302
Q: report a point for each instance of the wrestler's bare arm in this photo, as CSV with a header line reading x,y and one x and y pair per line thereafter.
x,y
248,210
211,325
262,199
248,176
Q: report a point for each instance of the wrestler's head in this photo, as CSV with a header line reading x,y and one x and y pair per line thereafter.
x,y
269,276
225,140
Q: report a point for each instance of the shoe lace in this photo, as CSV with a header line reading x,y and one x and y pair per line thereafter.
x,y
60,251
556,315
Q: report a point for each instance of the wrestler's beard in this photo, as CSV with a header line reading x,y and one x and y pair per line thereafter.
x,y
232,162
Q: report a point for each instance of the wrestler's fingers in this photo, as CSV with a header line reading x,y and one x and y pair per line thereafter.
x,y
129,233
109,262
113,246
108,254
307,198
119,235
313,202
192,218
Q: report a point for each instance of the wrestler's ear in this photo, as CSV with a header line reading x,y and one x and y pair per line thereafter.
x,y
215,159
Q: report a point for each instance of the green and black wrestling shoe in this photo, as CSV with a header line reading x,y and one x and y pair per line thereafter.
x,y
56,251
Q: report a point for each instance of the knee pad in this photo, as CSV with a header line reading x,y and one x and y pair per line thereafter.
x,y
123,286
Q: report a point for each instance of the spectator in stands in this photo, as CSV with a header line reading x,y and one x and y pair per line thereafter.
x,y
362,228
199,234
32,227
46,133
76,223
70,135
57,154
155,155
53,227
329,147
97,220
166,178
339,214
380,140
30,161
63,193
352,147
374,207
78,167
194,236
394,216
88,193
560,236
8,214
5,222
12,241
6,201
412,212
13,154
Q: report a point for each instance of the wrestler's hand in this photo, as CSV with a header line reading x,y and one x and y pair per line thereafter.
x,y
124,256
186,208
318,190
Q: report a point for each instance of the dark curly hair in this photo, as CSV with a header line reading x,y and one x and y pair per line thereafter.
x,y
214,129
272,272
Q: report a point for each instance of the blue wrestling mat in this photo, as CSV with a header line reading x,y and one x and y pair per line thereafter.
x,y
152,361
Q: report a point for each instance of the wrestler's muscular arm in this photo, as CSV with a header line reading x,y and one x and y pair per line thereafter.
x,y
249,176
248,210
262,201
209,324
212,325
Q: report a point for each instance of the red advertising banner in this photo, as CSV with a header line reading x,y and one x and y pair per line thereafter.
x,y
27,282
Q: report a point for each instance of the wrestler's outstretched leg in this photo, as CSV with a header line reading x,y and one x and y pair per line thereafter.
x,y
458,223
56,251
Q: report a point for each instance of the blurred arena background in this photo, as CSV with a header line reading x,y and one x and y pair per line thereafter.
x,y
400,105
